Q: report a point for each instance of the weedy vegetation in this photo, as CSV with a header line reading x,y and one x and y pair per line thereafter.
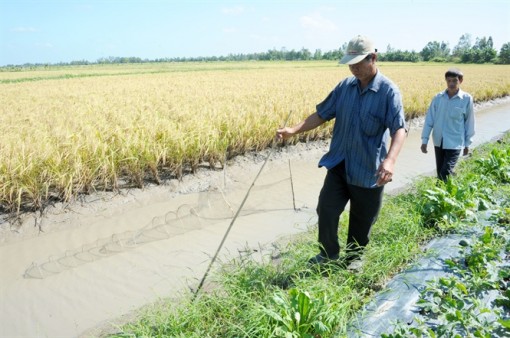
x,y
66,131
474,300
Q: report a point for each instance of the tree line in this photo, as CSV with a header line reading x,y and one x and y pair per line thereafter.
x,y
481,51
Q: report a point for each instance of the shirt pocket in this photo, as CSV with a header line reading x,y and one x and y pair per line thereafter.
x,y
370,124
457,113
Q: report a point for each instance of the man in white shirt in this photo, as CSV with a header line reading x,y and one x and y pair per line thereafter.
x,y
451,119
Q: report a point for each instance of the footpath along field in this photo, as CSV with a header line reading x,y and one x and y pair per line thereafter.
x,y
72,130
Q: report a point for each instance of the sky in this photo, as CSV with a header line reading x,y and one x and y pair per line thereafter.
x,y
53,31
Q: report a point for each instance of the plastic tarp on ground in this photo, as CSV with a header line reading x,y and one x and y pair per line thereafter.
x,y
398,300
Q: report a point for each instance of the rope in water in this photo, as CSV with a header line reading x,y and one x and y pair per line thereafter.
x,y
202,281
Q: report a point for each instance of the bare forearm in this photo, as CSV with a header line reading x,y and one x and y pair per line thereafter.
x,y
386,169
311,122
397,141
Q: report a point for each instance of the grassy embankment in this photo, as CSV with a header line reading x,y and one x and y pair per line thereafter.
x,y
257,297
71,130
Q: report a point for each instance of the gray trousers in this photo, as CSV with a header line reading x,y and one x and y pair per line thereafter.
x,y
365,204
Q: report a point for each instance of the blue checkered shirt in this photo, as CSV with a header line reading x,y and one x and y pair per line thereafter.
x,y
364,119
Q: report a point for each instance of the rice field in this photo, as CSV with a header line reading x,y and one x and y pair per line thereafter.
x,y
72,130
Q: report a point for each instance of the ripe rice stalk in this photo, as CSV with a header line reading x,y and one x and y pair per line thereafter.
x,y
71,130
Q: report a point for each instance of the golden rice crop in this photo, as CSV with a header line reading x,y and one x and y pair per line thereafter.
x,y
71,130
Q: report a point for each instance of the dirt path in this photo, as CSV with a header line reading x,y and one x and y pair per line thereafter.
x,y
101,258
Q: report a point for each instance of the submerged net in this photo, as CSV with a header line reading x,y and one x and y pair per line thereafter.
x,y
212,207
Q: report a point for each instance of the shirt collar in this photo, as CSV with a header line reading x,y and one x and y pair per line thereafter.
x,y
459,94
373,85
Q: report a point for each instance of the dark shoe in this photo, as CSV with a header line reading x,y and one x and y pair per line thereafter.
x,y
321,259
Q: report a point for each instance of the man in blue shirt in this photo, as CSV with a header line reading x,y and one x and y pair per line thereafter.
x,y
367,109
451,119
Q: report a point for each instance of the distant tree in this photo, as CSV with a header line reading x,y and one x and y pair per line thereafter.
x,y
317,55
483,50
399,56
304,54
291,55
463,46
504,54
274,54
467,56
434,50
336,54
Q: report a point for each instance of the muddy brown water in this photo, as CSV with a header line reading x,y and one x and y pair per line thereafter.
x,y
103,258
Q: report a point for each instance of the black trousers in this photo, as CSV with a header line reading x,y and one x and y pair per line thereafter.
x,y
364,210
446,159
